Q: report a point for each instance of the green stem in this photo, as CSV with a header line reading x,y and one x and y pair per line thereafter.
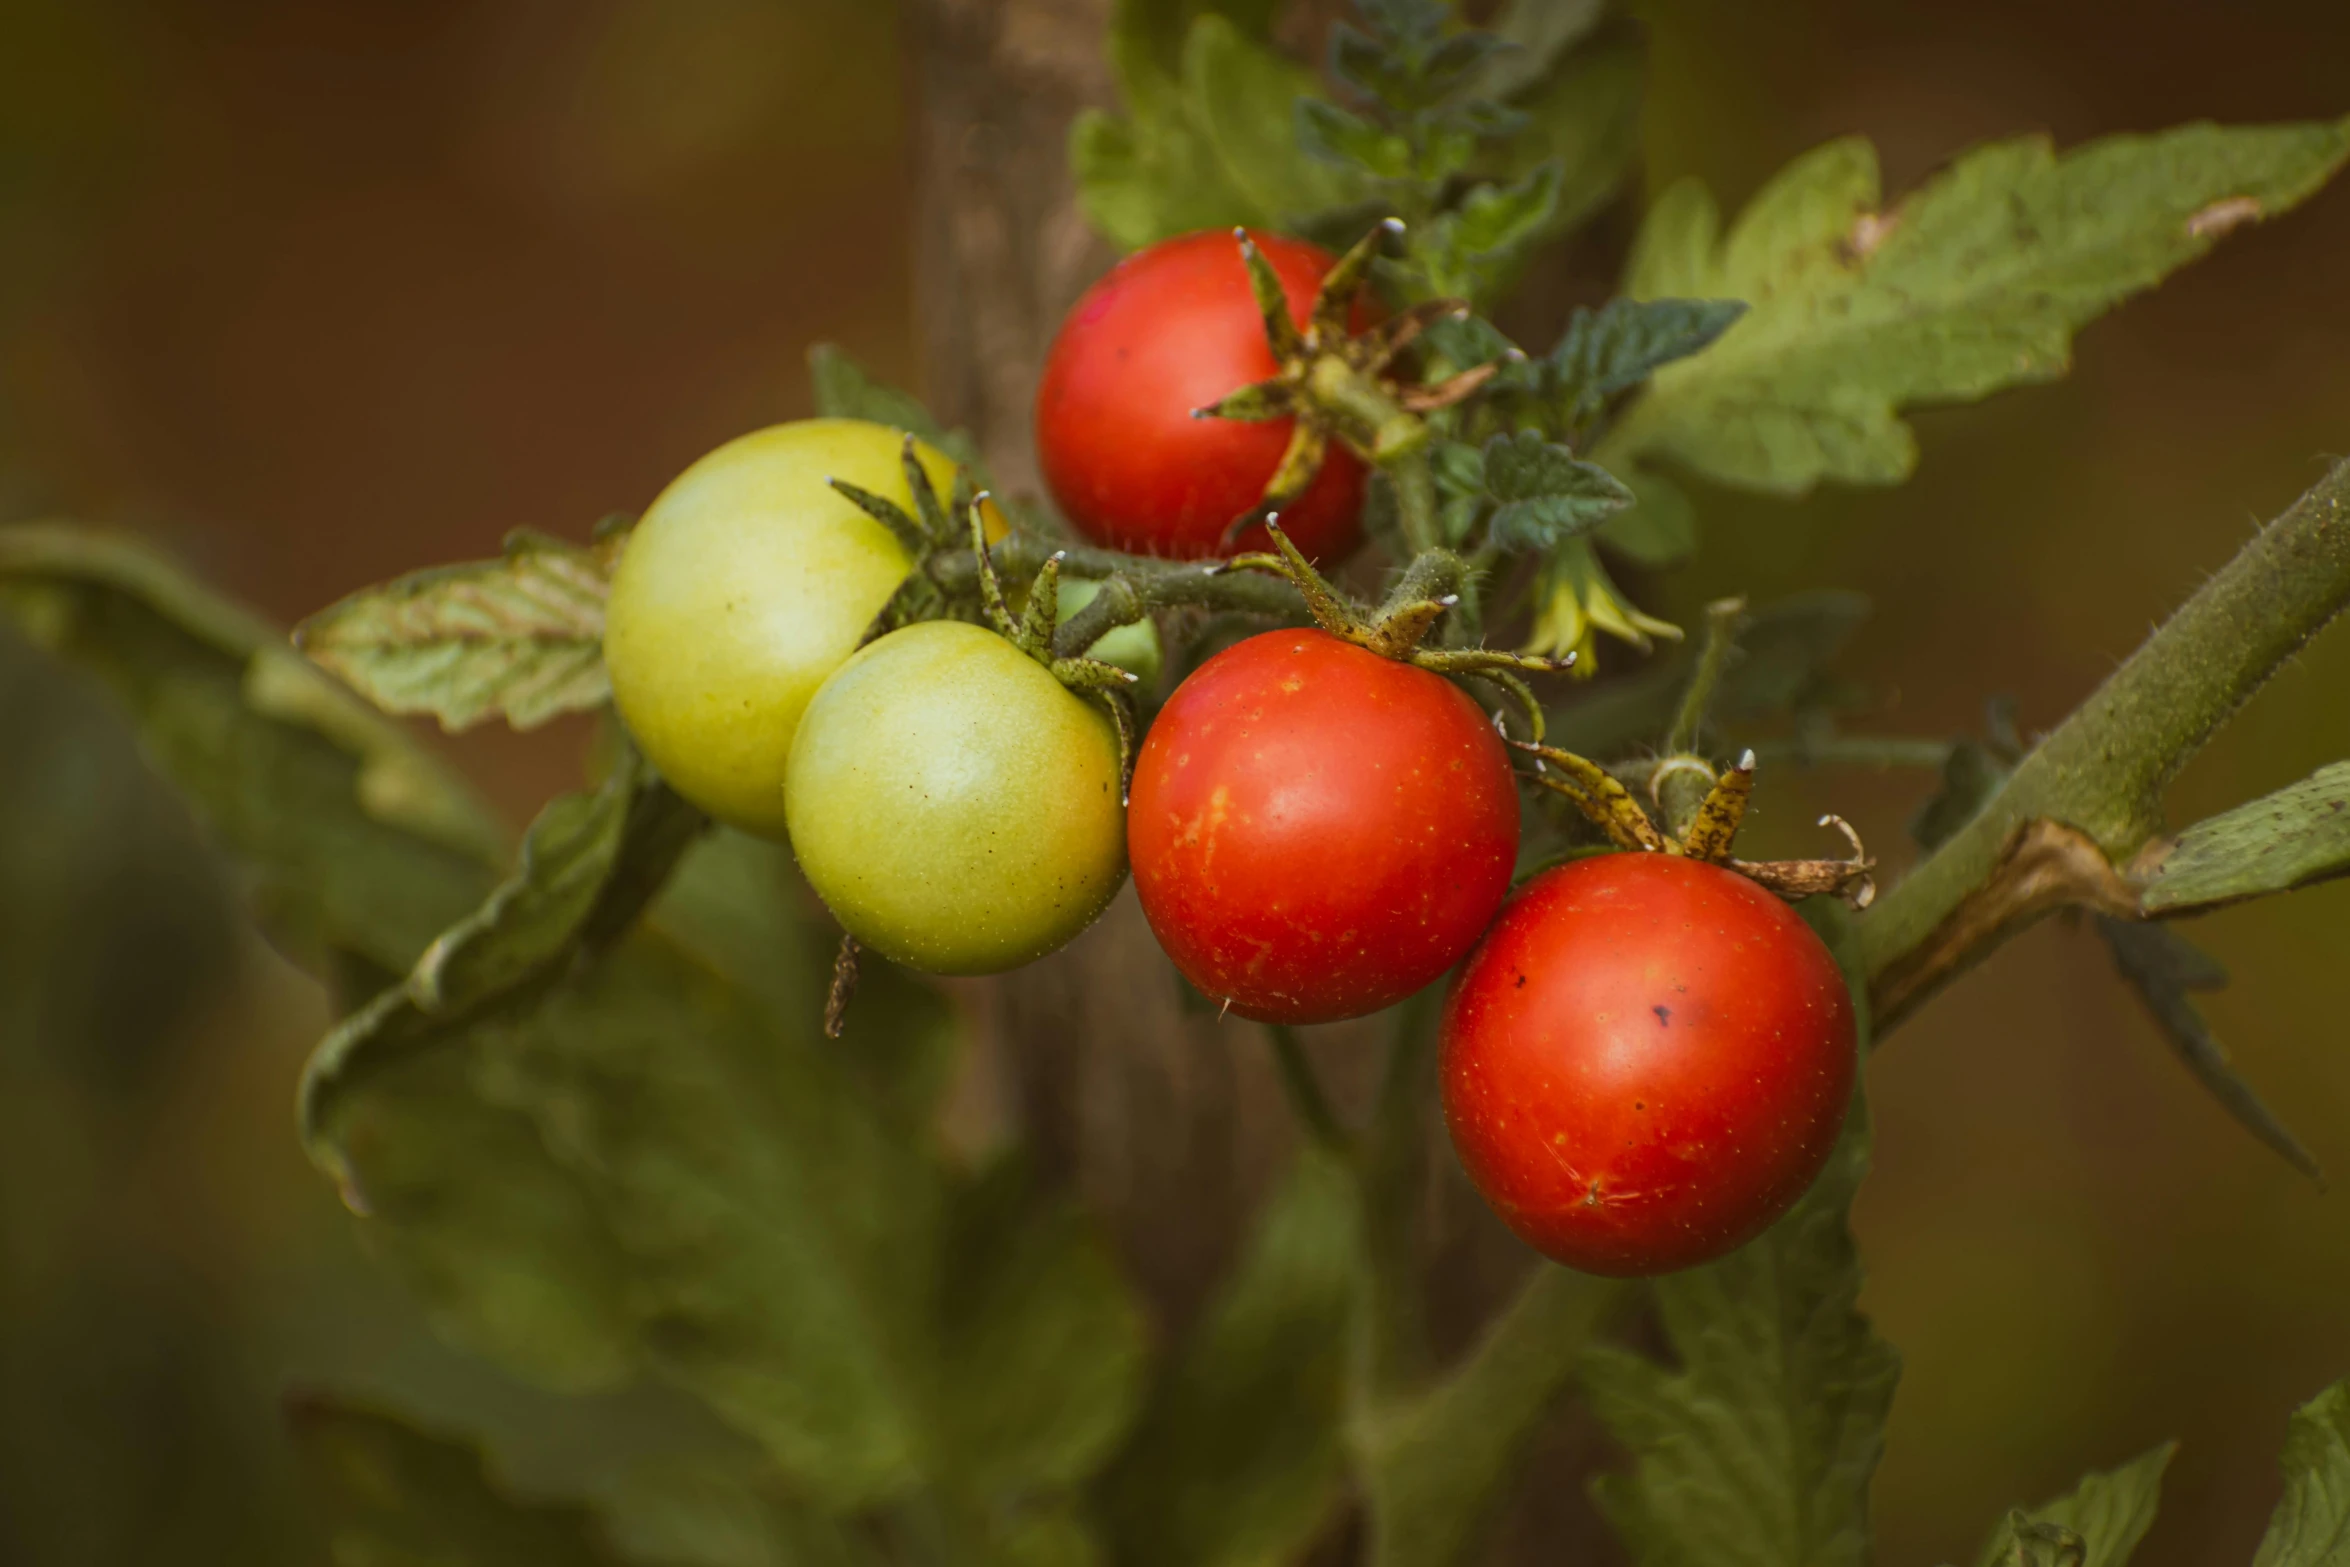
x,y
1721,639
1415,502
2104,769
1394,1177
1306,1100
1132,585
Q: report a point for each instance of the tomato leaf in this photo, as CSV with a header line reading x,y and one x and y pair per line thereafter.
x,y
1435,1466
1621,344
391,1493
355,840
2163,966
519,638
1471,250
1581,113
2098,1523
708,1511
1237,1459
2311,1526
1757,1448
2289,839
1974,282
1547,494
843,390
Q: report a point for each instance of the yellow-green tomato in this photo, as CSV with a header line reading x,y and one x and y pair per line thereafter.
x,y
744,585
953,804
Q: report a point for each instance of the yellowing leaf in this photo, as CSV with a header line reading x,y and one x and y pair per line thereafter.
x,y
1974,282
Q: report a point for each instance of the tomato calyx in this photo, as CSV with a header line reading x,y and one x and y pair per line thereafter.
x,y
1429,587
1031,631
1605,801
927,532
1336,383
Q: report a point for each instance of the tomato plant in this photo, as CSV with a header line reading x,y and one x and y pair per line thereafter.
x,y
1167,332
1645,1061
746,583
956,808
1318,832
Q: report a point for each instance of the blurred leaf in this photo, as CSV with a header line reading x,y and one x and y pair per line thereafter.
x,y
395,1497
521,638
1659,529
1336,135
1583,115
1044,1344
1537,32
502,1247
1974,282
1548,496
1237,1460
591,862
1209,140
2163,966
354,837
2103,1519
1757,1448
2311,1526
2289,839
1784,649
711,1512
1243,97
1436,1465
1970,776
844,391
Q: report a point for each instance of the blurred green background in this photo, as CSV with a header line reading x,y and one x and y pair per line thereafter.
x,y
313,293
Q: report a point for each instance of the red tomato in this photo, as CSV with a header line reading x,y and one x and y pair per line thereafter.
x,y
1170,329
1645,1062
1316,831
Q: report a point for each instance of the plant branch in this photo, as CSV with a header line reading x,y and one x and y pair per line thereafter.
x,y
1721,639
2102,772
1132,585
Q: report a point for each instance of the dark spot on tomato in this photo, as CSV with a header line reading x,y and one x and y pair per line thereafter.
x,y
1664,1016
1521,982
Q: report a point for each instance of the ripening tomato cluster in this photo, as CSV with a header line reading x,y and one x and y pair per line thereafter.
x,y
1645,1058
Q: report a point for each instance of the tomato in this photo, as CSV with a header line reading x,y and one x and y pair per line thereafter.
x,y
953,804
1645,1062
1170,329
744,585
1318,832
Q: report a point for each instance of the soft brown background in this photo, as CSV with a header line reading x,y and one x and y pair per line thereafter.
x,y
314,293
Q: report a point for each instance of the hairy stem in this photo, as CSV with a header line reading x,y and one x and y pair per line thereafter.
x,y
2103,770
1132,585
1721,639
1394,1175
1876,751
1415,503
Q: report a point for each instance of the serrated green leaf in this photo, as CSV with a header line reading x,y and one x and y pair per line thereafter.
x,y
1974,282
1328,132
1435,1465
393,1496
2311,1526
1659,529
1623,343
1756,1451
2292,838
354,838
2163,966
2103,1519
1548,495
1471,250
1237,1459
520,638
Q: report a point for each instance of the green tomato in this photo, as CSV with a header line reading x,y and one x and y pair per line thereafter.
x,y
953,804
1134,647
746,584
